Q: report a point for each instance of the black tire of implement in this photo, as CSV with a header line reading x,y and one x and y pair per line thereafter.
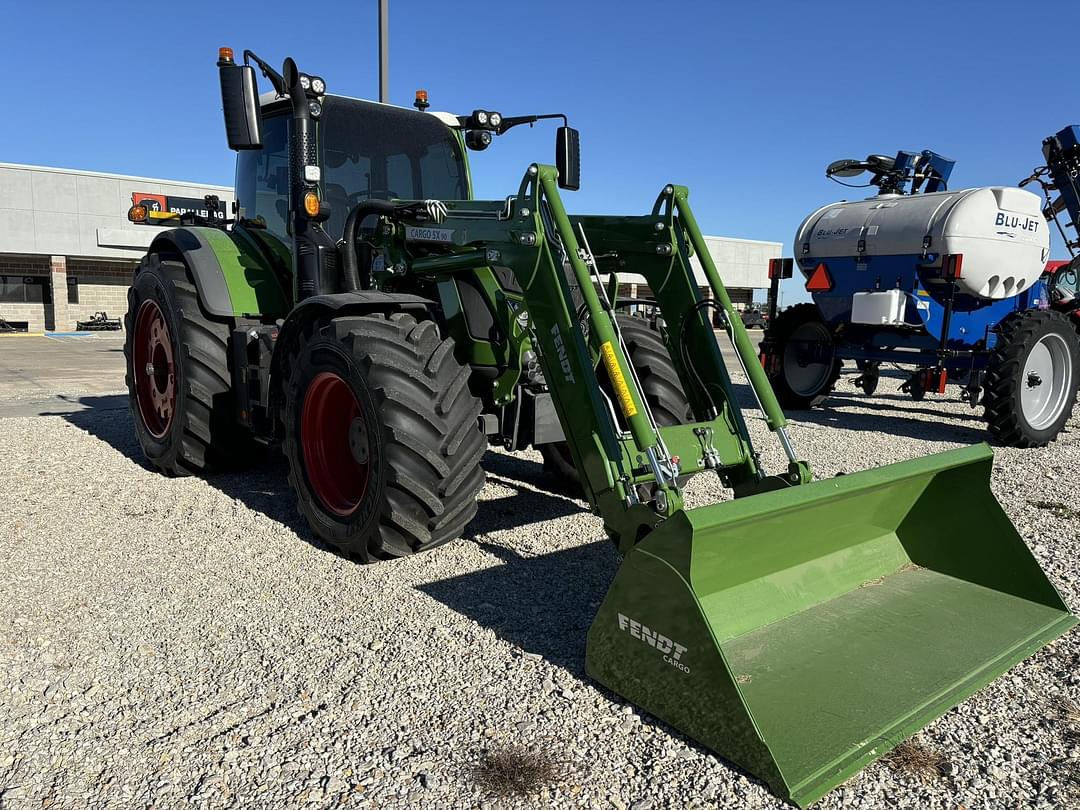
x,y
203,435
1017,335
916,389
780,330
660,385
426,449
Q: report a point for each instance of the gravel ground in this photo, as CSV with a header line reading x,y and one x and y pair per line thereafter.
x,y
167,642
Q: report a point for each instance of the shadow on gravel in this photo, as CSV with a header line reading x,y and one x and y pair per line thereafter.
x,y
923,423
916,423
265,488
544,605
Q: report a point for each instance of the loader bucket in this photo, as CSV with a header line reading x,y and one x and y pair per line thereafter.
x,y
803,633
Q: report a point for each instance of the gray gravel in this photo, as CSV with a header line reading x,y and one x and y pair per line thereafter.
x,y
166,642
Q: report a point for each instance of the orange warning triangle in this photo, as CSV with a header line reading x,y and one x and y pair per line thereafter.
x,y
820,280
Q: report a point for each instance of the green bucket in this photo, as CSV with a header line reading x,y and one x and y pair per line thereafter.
x,y
803,633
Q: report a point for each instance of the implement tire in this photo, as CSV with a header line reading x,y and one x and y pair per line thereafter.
x,y
660,385
178,379
1031,379
381,435
800,381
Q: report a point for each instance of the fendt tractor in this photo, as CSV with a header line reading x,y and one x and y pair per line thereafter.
x,y
361,311
954,283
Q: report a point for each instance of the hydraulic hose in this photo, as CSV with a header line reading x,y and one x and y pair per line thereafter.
x,y
350,264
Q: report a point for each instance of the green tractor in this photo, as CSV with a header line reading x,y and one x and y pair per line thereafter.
x,y
361,311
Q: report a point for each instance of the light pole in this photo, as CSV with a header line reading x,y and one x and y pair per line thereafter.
x,y
384,51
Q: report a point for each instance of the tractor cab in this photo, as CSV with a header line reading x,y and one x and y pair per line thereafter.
x,y
314,168
365,150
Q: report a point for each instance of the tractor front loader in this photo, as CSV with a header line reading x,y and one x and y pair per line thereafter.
x,y
366,314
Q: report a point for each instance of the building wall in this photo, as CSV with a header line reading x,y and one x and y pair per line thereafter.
x,y
62,212
102,287
742,263
58,224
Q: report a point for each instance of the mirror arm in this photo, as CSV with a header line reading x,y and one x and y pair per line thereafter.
x,y
509,123
267,71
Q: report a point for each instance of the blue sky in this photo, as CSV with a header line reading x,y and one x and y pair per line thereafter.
x,y
743,102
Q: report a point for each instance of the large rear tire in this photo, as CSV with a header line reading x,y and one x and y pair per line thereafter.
x,y
660,385
1031,379
381,435
178,379
806,369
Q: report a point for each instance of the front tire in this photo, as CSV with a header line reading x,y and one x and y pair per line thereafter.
x,y
1031,379
807,368
381,435
178,379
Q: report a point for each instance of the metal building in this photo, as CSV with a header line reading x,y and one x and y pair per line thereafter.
x,y
67,249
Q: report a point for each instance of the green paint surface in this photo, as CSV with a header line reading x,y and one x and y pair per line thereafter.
x,y
840,682
253,287
825,623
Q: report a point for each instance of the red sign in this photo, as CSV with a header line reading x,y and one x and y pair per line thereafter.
x,y
153,202
820,280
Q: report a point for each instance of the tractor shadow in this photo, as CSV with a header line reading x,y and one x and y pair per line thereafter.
x,y
264,487
541,604
544,606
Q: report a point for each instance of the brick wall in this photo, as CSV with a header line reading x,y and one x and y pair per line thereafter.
x,y
24,265
102,286
38,315
34,314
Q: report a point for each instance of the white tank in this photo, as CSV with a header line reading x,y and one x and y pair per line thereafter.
x,y
999,230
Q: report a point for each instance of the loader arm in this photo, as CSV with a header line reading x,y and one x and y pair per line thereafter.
x,y
619,450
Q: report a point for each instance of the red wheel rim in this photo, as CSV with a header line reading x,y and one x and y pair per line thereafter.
x,y
153,369
334,439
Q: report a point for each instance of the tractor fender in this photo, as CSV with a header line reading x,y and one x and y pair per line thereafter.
x,y
359,302
232,277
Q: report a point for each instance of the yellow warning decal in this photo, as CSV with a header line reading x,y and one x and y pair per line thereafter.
x,y
618,381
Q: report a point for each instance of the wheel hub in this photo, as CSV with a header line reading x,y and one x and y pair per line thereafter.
x,y
1048,377
808,359
358,440
335,444
155,387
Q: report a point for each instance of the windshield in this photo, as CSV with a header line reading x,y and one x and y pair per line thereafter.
x,y
375,151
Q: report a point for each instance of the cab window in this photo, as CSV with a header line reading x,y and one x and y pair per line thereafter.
x,y
262,177
376,151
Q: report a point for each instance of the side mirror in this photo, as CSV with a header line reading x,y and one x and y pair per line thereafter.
x,y
240,103
568,158
845,168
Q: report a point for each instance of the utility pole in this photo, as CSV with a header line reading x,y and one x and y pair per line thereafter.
x,y
384,51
